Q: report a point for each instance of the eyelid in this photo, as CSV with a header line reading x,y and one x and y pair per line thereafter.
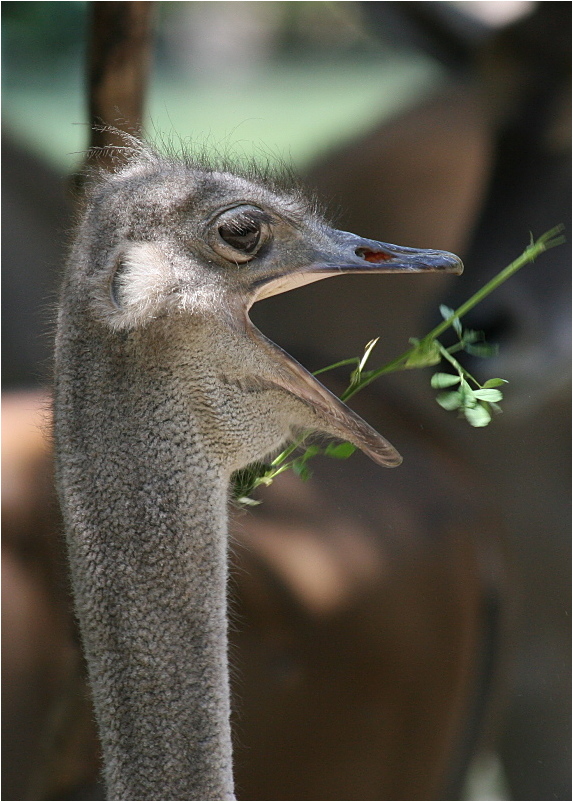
x,y
252,207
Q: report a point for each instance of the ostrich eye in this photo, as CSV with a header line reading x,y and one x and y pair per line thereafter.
x,y
242,236
238,234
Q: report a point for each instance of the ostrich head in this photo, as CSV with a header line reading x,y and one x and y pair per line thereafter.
x,y
198,247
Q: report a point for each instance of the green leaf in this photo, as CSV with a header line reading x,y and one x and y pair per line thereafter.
x,y
301,469
447,313
340,450
440,380
472,336
494,383
425,355
488,395
481,349
450,401
359,374
467,395
310,451
367,352
477,416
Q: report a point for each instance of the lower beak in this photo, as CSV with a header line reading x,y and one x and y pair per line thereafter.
x,y
347,253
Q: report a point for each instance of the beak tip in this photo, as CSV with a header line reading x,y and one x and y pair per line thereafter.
x,y
446,262
384,454
458,266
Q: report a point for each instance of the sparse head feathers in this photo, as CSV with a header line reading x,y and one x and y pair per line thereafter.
x,y
142,160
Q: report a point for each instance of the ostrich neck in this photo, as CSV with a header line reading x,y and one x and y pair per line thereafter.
x,y
144,506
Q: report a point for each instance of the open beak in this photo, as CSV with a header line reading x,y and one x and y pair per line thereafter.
x,y
340,252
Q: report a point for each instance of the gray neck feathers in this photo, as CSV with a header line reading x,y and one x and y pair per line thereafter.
x,y
144,502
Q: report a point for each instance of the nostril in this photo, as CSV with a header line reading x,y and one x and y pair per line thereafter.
x,y
372,256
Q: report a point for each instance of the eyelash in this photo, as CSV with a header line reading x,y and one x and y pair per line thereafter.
x,y
251,218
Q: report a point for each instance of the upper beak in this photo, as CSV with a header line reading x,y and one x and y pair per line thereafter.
x,y
343,252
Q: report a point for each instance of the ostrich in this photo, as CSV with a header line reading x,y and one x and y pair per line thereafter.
x,y
163,388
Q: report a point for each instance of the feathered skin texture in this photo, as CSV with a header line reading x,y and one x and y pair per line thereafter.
x,y
162,389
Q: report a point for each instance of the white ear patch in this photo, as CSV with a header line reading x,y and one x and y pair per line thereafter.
x,y
141,281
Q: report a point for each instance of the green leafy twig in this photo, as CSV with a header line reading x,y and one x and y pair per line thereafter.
x,y
425,351
475,403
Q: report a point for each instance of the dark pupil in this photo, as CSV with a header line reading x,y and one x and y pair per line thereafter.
x,y
241,236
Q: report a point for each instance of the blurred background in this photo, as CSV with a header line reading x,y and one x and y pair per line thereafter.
x,y
400,635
